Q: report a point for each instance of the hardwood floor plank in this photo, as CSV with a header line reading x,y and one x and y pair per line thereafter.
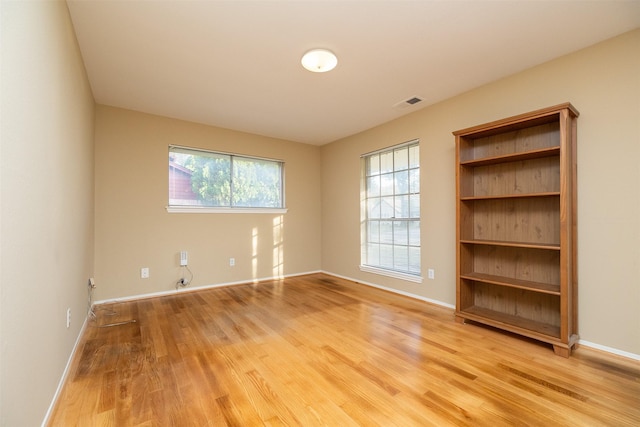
x,y
271,406
318,350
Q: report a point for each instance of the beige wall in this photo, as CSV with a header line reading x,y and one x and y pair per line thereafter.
x,y
46,204
134,230
603,82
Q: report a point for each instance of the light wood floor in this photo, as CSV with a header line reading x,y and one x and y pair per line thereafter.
x,y
318,350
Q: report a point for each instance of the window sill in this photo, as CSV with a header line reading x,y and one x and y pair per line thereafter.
x,y
200,209
390,273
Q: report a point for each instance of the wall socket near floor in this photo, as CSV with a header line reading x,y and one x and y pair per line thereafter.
x,y
431,273
144,273
68,317
232,262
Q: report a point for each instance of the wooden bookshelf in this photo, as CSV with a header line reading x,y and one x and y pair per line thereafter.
x,y
516,225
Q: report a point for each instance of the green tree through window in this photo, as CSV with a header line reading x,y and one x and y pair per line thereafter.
x,y
210,179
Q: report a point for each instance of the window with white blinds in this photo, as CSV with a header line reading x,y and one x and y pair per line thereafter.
x,y
390,212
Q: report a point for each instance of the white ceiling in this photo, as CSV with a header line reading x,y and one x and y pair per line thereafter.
x,y
236,64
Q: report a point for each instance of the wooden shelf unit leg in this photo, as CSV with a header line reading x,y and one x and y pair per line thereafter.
x,y
460,320
562,351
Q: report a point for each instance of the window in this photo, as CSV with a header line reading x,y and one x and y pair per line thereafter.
x,y
209,181
390,207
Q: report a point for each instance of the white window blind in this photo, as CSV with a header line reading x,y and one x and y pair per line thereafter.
x,y
390,211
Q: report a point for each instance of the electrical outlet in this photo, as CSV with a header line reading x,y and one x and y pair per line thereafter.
x,y
431,273
144,273
68,318
232,262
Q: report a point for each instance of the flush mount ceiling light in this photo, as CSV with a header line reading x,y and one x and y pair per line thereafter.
x,y
319,60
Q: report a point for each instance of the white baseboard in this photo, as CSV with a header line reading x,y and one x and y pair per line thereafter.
x,y
200,288
609,350
395,291
65,373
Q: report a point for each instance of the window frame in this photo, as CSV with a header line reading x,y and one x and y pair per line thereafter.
x,y
403,274
227,209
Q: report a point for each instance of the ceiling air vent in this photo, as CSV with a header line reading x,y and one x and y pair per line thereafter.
x,y
408,102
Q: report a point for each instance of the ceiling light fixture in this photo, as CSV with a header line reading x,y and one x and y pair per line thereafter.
x,y
319,60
